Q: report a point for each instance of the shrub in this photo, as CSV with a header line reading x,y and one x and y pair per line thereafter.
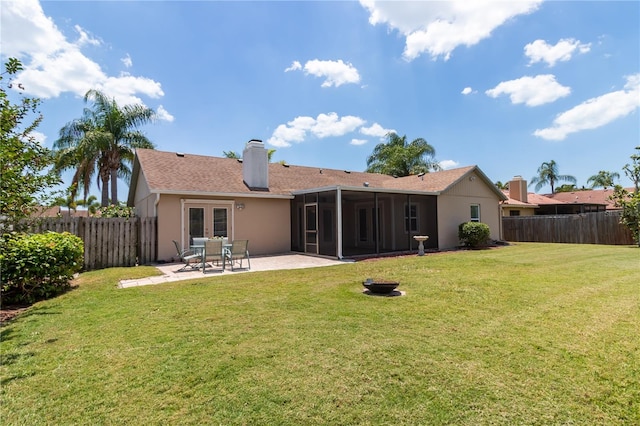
x,y
117,210
473,234
38,266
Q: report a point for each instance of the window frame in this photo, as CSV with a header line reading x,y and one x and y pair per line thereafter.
x,y
472,217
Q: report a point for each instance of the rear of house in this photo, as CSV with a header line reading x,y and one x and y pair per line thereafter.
x,y
281,208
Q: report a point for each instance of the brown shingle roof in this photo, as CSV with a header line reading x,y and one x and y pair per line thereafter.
x,y
168,172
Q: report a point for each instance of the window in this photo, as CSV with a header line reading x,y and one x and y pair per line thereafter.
x,y
514,212
475,212
220,222
196,222
362,229
411,218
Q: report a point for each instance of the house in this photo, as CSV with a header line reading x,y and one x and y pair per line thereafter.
x,y
587,201
57,211
281,208
523,203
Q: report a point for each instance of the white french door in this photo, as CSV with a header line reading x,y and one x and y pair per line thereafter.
x,y
207,219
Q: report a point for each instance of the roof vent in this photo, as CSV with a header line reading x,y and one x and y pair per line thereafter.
x,y
285,165
366,184
180,154
239,160
347,171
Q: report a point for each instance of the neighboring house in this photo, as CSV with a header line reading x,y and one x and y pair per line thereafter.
x,y
281,208
523,203
588,200
57,211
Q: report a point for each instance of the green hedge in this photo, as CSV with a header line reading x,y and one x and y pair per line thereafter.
x,y
38,266
473,234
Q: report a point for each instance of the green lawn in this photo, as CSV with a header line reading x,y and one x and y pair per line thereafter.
x,y
526,334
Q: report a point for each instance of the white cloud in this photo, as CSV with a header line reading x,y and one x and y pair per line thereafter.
x,y
595,112
540,51
532,91
448,164
127,61
54,65
324,125
38,136
376,130
467,91
164,115
438,27
358,142
85,38
335,73
332,125
295,65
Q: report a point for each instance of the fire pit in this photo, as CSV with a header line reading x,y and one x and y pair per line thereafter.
x,y
380,286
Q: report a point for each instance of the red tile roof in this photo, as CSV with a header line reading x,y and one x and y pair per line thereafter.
x,y
594,196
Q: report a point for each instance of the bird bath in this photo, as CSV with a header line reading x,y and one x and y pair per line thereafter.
x,y
420,239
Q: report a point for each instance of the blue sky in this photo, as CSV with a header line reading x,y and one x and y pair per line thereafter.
x,y
504,85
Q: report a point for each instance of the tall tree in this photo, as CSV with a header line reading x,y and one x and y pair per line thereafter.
x,y
633,170
103,140
397,157
231,154
603,179
235,155
629,202
548,175
26,173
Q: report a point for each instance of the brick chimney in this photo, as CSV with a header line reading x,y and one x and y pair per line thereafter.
x,y
518,189
255,165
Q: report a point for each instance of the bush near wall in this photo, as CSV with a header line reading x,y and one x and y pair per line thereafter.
x,y
35,267
473,234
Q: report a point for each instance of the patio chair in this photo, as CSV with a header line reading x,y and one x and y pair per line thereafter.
x,y
213,253
199,241
187,256
238,252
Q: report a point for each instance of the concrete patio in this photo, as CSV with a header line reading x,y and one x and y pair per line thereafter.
x,y
265,263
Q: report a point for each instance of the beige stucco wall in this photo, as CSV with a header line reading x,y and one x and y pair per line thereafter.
x,y
454,207
523,212
143,199
264,222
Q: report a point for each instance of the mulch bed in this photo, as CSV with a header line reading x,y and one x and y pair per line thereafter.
x,y
7,313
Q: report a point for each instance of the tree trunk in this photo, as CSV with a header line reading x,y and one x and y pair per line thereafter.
x,y
114,186
105,190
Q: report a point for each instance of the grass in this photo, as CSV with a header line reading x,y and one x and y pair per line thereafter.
x,y
525,334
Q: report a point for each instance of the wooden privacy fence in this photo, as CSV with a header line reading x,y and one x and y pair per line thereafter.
x,y
109,242
588,228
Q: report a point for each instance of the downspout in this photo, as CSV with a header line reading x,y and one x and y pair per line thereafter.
x,y
182,222
339,221
155,205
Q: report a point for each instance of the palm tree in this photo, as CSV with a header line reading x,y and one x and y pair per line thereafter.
x,y
548,175
397,157
502,186
103,140
231,154
603,179
235,155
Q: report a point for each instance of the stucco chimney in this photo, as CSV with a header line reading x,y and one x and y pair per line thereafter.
x,y
255,165
518,189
